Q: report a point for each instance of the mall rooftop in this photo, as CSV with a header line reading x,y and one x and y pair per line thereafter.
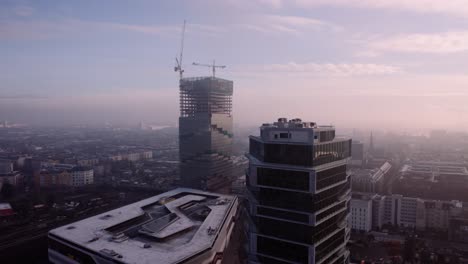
x,y
173,227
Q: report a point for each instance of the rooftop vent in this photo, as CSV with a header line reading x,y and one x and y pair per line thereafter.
x,y
110,253
146,245
211,231
93,239
104,217
221,201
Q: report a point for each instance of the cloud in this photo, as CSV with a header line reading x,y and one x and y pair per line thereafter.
x,y
30,29
437,43
278,24
42,29
140,28
21,97
16,11
325,69
24,11
161,29
275,4
453,7
367,54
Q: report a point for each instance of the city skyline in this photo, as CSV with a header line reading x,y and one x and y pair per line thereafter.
x,y
69,62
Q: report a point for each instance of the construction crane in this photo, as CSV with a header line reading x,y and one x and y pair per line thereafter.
x,y
178,67
213,66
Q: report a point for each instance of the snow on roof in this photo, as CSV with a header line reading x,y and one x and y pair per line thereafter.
x,y
5,206
181,235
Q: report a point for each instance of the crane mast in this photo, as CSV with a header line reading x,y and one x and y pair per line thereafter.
x,y
178,67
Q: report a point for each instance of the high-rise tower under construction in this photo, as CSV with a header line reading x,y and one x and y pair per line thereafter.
x,y
205,133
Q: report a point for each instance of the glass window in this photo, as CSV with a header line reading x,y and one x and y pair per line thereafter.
x,y
283,178
282,249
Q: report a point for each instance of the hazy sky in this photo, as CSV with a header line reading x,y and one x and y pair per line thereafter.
x,y
399,64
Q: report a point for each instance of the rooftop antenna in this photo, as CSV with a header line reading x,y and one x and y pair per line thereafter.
x,y
213,66
178,67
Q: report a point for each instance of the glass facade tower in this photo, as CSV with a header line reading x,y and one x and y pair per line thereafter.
x,y
205,133
298,193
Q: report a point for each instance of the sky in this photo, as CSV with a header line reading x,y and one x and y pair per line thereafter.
x,y
392,64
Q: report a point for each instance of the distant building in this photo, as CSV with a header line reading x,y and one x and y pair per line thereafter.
x,y
438,136
358,154
361,214
433,180
88,162
238,186
458,228
14,178
205,133
7,174
132,155
54,177
378,210
6,166
82,176
240,166
370,180
439,213
403,211
445,173
181,226
298,192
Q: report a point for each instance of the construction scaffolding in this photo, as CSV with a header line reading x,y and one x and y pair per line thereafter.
x,y
205,95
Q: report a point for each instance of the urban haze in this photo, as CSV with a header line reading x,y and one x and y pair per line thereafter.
x,y
232,132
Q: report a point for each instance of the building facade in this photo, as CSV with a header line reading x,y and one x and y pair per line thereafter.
x,y
433,180
82,176
6,166
53,178
13,178
458,228
205,133
409,212
370,180
361,214
299,193
358,154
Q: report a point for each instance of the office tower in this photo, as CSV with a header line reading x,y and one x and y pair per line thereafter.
x,y
371,144
181,226
358,158
299,193
205,133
